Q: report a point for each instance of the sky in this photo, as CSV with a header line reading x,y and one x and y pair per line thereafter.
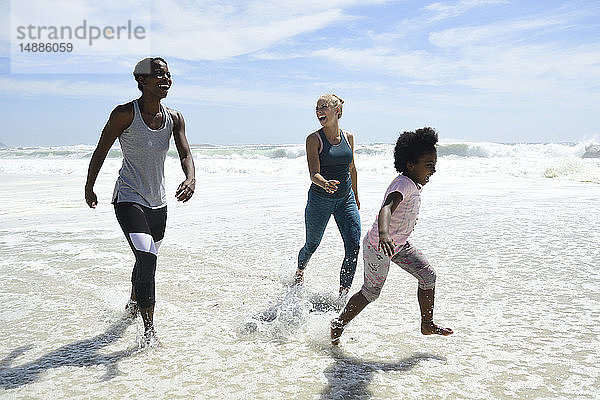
x,y
250,72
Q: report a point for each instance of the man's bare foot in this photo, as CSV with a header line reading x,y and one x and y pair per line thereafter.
x,y
151,339
429,328
299,277
337,328
131,308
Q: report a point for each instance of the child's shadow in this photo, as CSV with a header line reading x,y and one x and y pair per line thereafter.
x,y
349,377
84,353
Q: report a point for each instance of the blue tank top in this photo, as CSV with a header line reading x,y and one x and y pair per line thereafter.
x,y
335,164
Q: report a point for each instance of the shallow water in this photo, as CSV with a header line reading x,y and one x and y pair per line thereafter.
x,y
516,258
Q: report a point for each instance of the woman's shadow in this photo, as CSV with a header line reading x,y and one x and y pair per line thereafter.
x,y
349,377
84,353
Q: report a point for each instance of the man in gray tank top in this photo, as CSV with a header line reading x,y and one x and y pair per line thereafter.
x,y
144,128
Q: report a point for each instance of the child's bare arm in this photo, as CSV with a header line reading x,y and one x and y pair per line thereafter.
x,y
386,243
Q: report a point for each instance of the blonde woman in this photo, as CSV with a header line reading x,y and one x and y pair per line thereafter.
x,y
330,156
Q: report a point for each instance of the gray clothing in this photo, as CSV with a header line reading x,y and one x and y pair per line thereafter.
x,y
142,176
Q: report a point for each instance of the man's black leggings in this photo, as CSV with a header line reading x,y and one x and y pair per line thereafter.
x,y
144,229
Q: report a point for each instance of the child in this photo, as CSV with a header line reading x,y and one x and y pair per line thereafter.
x,y
415,158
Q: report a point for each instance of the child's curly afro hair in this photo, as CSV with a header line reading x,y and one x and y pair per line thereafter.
x,y
412,145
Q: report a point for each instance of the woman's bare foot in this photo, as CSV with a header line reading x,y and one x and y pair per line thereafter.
x,y
337,328
299,277
429,328
342,299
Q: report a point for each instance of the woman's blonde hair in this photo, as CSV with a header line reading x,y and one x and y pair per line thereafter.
x,y
333,100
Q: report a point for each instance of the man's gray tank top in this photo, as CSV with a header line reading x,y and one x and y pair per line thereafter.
x,y
142,176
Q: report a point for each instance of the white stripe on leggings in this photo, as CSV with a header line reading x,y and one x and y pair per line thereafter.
x,y
143,242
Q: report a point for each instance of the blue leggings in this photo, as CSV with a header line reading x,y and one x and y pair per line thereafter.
x,y
316,216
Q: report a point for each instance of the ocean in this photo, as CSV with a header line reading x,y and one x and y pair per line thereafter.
x,y
511,229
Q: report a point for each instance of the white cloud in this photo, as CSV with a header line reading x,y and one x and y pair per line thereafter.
x,y
525,55
192,94
418,65
210,42
208,30
491,57
75,23
441,10
217,31
497,34
65,88
237,97
546,71
524,58
67,11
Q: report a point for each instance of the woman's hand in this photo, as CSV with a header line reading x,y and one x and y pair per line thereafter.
x,y
331,186
185,191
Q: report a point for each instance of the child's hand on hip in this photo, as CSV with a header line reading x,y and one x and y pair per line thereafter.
x,y
386,244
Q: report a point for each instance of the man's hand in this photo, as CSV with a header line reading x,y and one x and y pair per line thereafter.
x,y
185,191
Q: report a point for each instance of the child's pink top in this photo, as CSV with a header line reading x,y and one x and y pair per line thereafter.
x,y
404,217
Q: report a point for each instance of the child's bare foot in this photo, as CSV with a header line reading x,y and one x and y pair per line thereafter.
x,y
337,328
299,277
429,328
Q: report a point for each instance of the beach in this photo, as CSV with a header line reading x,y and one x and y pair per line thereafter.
x,y
511,230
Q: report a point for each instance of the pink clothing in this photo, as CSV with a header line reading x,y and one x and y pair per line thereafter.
x,y
404,217
377,267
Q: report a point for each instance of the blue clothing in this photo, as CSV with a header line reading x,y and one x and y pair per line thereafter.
x,y
335,164
316,216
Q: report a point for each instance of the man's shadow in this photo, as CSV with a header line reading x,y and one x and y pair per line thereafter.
x,y
349,377
85,353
